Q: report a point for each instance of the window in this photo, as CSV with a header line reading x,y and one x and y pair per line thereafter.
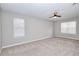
x,y
18,27
68,27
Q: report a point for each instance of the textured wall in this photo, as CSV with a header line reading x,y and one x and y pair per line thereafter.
x,y
35,29
0,30
58,28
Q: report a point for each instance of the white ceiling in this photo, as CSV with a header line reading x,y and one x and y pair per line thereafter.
x,y
43,10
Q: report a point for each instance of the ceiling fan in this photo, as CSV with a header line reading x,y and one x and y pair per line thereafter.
x,y
55,15
75,3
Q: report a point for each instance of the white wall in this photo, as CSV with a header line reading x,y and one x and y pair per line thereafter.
x,y
58,29
0,29
35,29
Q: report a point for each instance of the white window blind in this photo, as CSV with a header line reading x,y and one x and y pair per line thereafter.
x,y
18,27
68,27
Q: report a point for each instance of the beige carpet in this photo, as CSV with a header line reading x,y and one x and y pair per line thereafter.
x,y
46,47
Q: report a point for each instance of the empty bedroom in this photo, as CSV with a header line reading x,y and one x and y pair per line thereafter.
x,y
39,29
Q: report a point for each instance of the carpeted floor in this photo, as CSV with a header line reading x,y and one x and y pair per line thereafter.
x,y
46,47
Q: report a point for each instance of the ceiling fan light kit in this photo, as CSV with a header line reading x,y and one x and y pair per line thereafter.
x,y
55,15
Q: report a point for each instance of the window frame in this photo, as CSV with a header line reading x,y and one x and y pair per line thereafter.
x,y
67,32
15,30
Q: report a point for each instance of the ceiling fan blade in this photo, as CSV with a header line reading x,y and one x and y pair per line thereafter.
x,y
51,16
58,15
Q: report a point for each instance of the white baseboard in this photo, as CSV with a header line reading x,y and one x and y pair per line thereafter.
x,y
25,42
67,37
